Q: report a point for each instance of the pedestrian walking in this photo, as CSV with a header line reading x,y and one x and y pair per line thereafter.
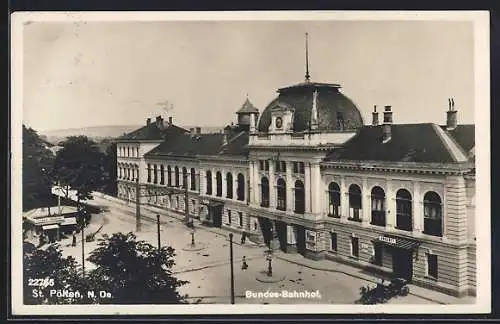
x,y
74,239
243,238
244,264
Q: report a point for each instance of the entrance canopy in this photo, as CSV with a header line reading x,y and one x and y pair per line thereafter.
x,y
212,203
398,242
49,227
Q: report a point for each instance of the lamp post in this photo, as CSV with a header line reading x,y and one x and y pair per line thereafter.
x,y
186,201
232,266
158,228
269,258
137,206
192,238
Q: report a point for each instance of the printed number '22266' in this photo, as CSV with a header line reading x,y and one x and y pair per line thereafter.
x,y
40,282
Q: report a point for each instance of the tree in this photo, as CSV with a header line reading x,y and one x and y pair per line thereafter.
x,y
110,185
135,272
37,166
79,166
46,271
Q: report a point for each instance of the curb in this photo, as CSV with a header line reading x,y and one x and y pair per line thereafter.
x,y
351,275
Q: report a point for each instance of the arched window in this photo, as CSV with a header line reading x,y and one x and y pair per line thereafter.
x,y
209,182
149,172
136,172
333,200
136,152
184,177
433,214
119,172
299,197
378,206
162,174
155,174
229,185
354,202
218,183
241,187
176,170
169,176
403,210
193,179
264,192
281,187
128,151
132,169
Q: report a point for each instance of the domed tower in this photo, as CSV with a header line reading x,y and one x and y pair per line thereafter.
x,y
248,116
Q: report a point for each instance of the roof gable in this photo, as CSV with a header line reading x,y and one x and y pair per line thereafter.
x,y
153,132
409,143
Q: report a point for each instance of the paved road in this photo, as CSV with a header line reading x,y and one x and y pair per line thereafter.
x,y
208,270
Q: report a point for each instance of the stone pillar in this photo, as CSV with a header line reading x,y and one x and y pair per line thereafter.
x,y
214,182
454,209
344,199
366,202
290,192
291,238
235,186
224,184
317,188
390,213
417,209
307,187
272,187
249,192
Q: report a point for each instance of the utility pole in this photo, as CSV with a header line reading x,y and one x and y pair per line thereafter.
x,y
137,206
186,204
232,266
158,227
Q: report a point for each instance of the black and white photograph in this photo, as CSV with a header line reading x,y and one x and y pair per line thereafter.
x,y
250,162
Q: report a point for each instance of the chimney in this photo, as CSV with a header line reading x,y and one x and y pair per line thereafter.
x,y
387,124
148,121
170,120
375,116
198,130
159,122
451,115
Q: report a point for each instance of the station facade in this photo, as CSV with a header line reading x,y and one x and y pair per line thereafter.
x,y
307,175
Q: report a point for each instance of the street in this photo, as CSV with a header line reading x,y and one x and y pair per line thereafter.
x,y
208,270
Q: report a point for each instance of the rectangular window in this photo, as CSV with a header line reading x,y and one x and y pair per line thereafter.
x,y
295,167
266,165
301,168
261,165
177,203
355,247
229,217
333,240
149,172
432,265
240,216
193,206
283,166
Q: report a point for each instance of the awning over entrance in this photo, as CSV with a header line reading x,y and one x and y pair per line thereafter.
x,y
49,227
212,203
398,242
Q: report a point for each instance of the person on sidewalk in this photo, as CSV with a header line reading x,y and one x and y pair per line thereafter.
x,y
74,239
243,238
244,264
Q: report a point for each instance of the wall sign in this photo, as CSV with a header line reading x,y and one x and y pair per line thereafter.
x,y
387,239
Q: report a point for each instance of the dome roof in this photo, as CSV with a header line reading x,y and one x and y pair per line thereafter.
x,y
332,107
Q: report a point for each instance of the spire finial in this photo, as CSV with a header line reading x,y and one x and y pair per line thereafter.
x,y
308,77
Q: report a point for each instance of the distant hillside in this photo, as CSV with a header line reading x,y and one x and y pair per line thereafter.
x,y
112,131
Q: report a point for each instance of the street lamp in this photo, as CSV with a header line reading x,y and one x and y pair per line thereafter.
x,y
192,237
232,269
269,258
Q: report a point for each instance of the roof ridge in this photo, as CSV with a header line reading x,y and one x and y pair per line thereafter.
x,y
451,145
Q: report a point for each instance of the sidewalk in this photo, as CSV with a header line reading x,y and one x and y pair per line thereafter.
x,y
331,266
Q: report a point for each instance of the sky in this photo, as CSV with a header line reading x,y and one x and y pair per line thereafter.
x,y
81,74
